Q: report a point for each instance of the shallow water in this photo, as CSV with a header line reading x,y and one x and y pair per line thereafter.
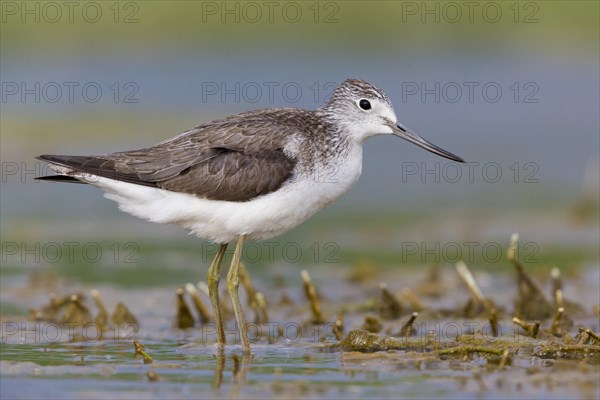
x,y
40,360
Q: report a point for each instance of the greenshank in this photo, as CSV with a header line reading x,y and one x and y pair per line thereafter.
x,y
249,176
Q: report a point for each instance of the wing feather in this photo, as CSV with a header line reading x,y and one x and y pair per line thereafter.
x,y
235,159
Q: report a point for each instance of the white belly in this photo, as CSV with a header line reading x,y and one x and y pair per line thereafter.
x,y
265,217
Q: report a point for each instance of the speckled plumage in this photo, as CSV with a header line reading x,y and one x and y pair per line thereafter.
x,y
235,158
257,173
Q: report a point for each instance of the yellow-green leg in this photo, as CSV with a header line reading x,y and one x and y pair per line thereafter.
x,y
233,282
213,277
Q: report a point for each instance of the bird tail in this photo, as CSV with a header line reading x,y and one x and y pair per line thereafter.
x,y
63,166
82,167
60,178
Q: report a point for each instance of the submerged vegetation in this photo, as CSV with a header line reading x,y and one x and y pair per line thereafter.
x,y
432,322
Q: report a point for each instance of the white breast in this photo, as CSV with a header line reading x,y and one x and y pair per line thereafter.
x,y
222,221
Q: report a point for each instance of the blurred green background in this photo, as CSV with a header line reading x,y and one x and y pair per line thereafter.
x,y
530,127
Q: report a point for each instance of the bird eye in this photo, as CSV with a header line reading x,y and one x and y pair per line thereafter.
x,y
364,104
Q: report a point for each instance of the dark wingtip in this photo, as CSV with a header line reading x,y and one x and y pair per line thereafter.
x,y
58,160
52,158
59,178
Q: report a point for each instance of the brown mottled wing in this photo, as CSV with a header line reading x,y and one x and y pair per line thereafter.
x,y
234,159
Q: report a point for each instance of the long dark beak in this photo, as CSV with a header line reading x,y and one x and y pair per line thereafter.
x,y
412,137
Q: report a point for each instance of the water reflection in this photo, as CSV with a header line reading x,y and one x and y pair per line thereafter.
x,y
239,370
